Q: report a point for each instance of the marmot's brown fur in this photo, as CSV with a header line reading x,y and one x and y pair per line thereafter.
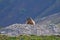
x,y
30,21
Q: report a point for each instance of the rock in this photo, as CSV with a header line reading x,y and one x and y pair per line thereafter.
x,y
27,29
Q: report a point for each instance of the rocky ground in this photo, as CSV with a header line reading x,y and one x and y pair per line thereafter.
x,y
20,29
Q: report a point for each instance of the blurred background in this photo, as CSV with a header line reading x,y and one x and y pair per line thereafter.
x,y
16,11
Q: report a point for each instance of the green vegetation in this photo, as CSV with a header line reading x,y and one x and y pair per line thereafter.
x,y
31,37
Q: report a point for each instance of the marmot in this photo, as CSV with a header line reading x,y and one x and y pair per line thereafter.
x,y
30,21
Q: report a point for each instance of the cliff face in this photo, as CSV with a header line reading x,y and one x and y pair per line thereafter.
x,y
20,29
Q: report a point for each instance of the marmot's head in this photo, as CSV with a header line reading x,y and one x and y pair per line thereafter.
x,y
30,21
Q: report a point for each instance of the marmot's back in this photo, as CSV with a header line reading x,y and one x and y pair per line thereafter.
x,y
30,21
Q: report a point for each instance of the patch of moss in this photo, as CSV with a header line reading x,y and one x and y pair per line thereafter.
x,y
31,37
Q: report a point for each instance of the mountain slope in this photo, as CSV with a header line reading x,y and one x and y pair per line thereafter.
x,y
51,19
